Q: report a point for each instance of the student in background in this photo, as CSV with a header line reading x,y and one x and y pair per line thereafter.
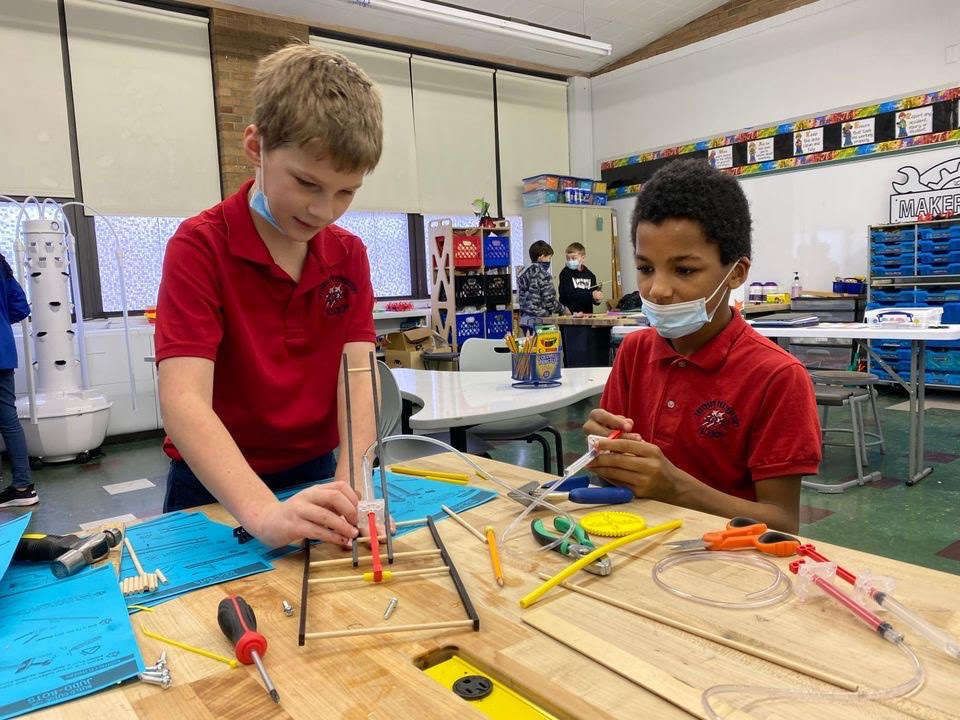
x,y
13,309
538,297
583,345
715,417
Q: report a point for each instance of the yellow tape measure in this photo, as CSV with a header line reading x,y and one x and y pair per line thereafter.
x,y
610,523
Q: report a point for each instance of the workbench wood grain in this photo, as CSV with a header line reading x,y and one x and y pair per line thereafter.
x,y
378,676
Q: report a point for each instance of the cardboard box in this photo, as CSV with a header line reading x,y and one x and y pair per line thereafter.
x,y
415,339
412,359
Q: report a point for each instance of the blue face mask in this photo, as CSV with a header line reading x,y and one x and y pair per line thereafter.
x,y
261,206
545,264
573,264
678,320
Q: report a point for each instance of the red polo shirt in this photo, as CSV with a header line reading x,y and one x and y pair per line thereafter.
x,y
276,343
738,410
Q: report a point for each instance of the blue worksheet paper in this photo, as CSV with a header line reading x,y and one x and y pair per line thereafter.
x,y
72,639
192,551
10,534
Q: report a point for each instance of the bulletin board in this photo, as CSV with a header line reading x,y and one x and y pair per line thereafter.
x,y
834,136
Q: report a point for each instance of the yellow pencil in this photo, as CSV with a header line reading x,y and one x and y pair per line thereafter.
x,y
494,555
431,474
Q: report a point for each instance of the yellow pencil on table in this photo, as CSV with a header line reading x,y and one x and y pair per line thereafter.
x,y
450,477
494,555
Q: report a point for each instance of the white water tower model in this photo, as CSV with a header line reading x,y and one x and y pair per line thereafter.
x,y
67,419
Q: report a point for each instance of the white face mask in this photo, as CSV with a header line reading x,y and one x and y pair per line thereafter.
x,y
573,264
684,318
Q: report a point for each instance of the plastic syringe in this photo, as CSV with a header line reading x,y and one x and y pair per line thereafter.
x,y
878,588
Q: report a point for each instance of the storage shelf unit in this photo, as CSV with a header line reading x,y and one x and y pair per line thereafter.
x,y
472,291
826,353
917,265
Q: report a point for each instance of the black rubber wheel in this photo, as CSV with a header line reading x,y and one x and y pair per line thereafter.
x,y
36,463
83,458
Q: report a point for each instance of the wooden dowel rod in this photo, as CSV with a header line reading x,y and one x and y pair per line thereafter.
x,y
466,526
714,637
387,574
133,556
359,369
405,523
390,629
367,558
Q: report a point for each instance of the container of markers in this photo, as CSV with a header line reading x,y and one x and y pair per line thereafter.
x,y
536,369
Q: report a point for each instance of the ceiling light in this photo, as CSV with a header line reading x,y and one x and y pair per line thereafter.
x,y
489,24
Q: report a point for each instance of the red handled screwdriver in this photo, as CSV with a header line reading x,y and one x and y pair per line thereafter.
x,y
239,624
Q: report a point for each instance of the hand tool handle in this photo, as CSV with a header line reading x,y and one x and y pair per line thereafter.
x,y
239,623
777,543
541,534
740,522
38,548
571,483
601,495
745,533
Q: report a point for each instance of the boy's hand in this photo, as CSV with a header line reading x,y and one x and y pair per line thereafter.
x,y
603,423
325,512
638,465
598,296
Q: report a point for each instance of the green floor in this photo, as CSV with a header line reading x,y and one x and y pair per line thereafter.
x,y
918,524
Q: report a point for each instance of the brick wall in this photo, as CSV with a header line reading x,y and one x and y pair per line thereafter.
x,y
729,16
237,42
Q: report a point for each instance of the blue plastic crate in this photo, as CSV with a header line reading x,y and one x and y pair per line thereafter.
x,y
894,248
939,258
942,378
948,269
895,271
892,236
951,244
496,251
951,313
934,294
943,361
943,345
469,325
894,296
937,233
889,344
892,260
499,323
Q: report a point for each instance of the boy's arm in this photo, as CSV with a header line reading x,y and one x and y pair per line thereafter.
x,y
362,416
17,305
565,285
550,303
325,512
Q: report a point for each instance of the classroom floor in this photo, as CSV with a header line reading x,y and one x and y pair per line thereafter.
x,y
915,524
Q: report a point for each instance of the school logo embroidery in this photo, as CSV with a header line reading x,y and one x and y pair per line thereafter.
x,y
716,419
336,294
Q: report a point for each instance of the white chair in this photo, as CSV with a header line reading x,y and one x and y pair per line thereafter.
x,y
391,407
478,354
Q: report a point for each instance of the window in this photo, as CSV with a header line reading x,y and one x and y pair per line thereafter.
x,y
387,238
143,241
516,240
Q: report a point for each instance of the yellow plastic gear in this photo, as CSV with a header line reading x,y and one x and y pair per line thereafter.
x,y
610,523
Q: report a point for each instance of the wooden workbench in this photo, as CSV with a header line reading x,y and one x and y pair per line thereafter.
x,y
376,676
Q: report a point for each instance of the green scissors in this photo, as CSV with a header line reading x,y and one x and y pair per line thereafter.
x,y
575,546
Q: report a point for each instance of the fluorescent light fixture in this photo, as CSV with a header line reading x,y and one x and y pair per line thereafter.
x,y
489,24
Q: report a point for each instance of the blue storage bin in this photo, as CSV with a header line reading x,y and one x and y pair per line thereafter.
x,y
935,294
891,260
949,269
895,296
895,248
943,361
498,323
469,325
951,313
937,233
496,251
889,344
892,236
939,258
951,244
894,271
942,378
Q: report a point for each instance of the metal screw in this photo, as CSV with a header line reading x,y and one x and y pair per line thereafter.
x,y
157,673
163,658
287,608
391,606
163,682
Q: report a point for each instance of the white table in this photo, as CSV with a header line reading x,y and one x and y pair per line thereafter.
x,y
459,400
916,386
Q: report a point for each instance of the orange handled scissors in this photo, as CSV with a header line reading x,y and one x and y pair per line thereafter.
x,y
743,533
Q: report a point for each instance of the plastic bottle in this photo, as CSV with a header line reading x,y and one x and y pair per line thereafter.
x,y
756,292
796,290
